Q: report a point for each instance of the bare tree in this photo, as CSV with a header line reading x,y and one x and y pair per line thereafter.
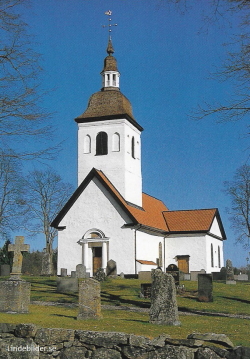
x,y
11,193
46,194
239,192
22,118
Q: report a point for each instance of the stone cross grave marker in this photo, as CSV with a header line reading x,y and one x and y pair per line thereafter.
x,y
18,248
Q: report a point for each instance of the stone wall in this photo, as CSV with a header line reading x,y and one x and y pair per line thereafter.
x,y
27,341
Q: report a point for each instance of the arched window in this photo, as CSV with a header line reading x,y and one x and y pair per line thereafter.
x,y
219,264
212,255
102,143
116,142
133,147
87,144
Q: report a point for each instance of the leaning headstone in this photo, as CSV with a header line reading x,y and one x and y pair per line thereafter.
x,y
5,270
111,268
89,299
80,271
174,271
46,264
15,292
230,272
164,309
205,288
63,272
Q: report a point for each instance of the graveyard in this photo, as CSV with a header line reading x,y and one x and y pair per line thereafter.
x,y
124,310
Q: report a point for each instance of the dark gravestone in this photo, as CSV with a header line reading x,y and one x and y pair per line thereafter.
x,y
111,268
5,270
164,309
100,276
63,272
205,288
146,290
174,271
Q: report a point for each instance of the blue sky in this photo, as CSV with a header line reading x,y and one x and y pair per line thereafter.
x,y
166,58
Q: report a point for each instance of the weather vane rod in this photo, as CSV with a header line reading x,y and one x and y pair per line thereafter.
x,y
109,26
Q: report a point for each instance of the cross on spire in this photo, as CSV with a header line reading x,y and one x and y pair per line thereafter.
x,y
18,248
109,13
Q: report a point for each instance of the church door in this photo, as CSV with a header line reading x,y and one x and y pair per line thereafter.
x,y
183,263
97,259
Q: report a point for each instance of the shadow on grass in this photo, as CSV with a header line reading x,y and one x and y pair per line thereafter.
x,y
237,299
116,299
65,316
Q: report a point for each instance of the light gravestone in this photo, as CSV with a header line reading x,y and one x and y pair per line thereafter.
x,y
15,292
89,299
164,309
205,288
47,268
80,271
230,273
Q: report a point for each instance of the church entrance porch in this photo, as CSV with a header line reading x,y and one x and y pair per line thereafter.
x,y
94,250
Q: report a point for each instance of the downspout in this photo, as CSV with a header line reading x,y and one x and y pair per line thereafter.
x,y
135,249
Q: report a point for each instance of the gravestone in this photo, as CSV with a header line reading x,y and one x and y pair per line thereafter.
x,y
89,299
73,274
100,275
15,292
5,270
63,272
230,272
205,288
111,268
164,309
80,271
66,284
145,290
174,271
46,264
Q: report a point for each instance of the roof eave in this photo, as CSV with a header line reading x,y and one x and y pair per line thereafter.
x,y
109,117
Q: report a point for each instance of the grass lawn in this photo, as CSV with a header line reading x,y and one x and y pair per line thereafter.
x,y
232,299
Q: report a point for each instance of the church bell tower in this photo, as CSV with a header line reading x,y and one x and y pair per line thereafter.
x,y
109,138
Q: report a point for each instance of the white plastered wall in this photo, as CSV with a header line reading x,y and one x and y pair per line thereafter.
x,y
147,248
192,245
119,166
95,208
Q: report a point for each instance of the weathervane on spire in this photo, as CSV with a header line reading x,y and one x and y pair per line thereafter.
x,y
109,13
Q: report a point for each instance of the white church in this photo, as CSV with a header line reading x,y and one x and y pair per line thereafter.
x,y
109,217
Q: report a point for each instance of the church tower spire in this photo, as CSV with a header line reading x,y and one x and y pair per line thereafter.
x,y
110,73
109,136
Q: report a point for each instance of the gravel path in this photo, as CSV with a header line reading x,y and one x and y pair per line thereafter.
x,y
143,310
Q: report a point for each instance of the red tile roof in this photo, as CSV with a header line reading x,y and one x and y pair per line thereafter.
x,y
146,262
190,221
149,215
153,214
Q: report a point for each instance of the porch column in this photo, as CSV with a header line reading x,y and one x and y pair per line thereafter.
x,y
85,254
104,255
